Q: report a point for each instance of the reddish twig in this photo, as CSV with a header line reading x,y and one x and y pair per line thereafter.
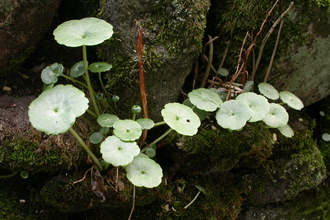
x,y
141,80
82,179
254,43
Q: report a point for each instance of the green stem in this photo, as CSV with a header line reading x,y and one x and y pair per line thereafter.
x,y
73,80
91,113
102,85
88,81
90,153
159,123
158,139
192,201
7,176
116,108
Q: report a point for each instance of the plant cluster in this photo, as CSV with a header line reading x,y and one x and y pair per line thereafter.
x,y
57,108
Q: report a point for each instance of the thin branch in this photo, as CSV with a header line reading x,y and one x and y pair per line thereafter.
x,y
224,56
267,36
133,204
274,52
209,63
248,51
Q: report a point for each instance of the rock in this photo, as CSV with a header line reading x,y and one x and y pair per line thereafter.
x,y
301,63
172,40
286,177
304,68
22,24
24,148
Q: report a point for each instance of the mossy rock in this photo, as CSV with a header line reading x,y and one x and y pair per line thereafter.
x,y
214,149
321,112
296,165
312,204
172,41
302,50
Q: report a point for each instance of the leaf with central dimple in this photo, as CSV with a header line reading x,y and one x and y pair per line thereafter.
x,y
87,31
181,118
127,130
99,67
205,99
233,115
118,152
144,172
277,116
258,105
146,123
107,120
51,73
56,109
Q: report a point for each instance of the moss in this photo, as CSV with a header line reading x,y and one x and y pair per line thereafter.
x,y
62,195
11,208
313,204
296,165
217,150
311,168
20,154
171,25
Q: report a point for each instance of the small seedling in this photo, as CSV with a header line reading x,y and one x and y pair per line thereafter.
x,y
200,189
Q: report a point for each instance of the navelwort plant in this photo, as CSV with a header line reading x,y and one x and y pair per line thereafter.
x,y
56,109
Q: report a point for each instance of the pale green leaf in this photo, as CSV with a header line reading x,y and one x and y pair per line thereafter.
x,y
87,31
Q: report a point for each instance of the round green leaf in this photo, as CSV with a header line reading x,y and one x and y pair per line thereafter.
x,y
146,123
201,189
118,152
99,67
223,72
144,172
205,99
151,152
248,86
258,105
104,130
107,120
326,137
233,115
221,93
96,137
87,31
268,90
51,73
24,174
181,118
56,109
77,69
127,130
291,100
286,130
277,116
199,112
